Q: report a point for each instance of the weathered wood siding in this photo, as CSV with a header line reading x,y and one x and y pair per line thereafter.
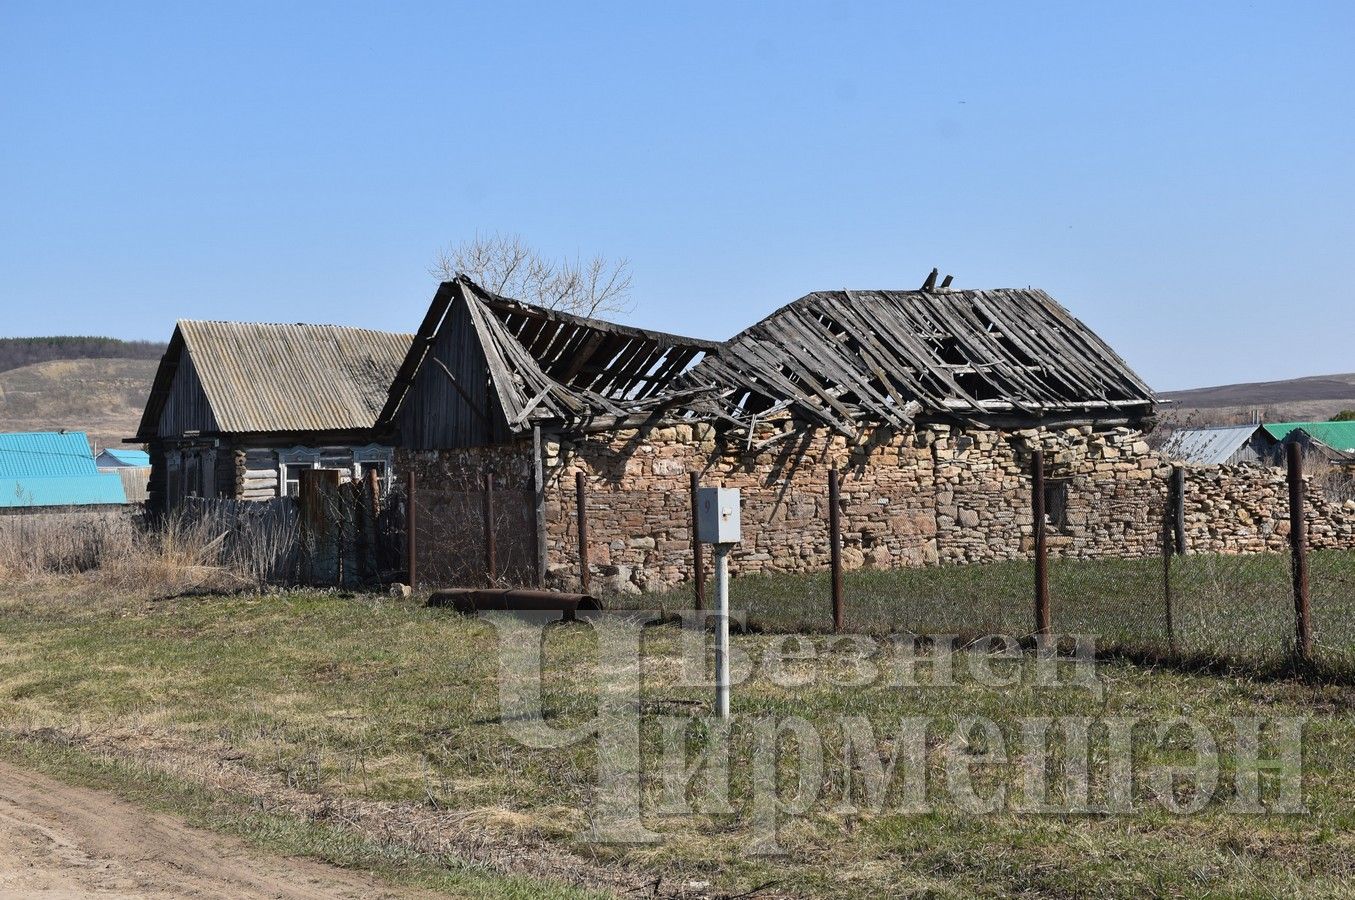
x,y
435,413
186,408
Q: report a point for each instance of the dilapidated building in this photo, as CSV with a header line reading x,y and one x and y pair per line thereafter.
x,y
929,401
239,409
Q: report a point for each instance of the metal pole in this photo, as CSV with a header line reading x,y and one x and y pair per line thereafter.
x,y
722,630
1179,508
835,547
1042,625
581,512
1168,548
411,528
698,563
1298,550
491,550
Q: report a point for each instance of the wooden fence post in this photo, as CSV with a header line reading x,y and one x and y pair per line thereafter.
x,y
1298,554
1042,625
369,536
698,563
581,511
491,539
411,529
835,547
1172,537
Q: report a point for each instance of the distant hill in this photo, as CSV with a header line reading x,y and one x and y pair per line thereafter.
x,y
104,397
18,352
1315,398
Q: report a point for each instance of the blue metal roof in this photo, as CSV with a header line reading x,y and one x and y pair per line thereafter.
x,y
45,454
51,468
63,490
136,458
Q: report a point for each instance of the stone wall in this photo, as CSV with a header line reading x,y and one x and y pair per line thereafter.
x,y
936,494
1245,509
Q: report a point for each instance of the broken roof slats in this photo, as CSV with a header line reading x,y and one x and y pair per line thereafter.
x,y
769,368
922,356
621,366
830,369
838,357
1072,330
985,356
884,362
1071,373
875,356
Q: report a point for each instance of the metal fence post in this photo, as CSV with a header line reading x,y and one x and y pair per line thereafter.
x,y
1298,555
491,549
835,547
1179,509
1042,625
411,527
581,511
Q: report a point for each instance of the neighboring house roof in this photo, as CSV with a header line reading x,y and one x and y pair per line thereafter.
x,y
1336,435
1208,446
102,489
114,457
52,468
281,378
836,358
45,454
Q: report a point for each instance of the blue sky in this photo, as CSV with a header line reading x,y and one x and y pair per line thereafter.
x,y
1180,175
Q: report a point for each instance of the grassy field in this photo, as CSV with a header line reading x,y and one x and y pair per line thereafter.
x,y
1232,609
366,730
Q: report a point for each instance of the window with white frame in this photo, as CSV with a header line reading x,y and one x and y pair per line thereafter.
x,y
290,464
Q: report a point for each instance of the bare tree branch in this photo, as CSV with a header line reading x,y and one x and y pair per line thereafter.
x,y
506,265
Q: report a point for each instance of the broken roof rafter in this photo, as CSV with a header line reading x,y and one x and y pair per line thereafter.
x,y
547,365
846,356
838,359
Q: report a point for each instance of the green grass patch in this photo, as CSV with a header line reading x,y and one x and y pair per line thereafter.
x,y
374,698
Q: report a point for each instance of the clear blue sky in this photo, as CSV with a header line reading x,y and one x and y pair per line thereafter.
x,y
1180,175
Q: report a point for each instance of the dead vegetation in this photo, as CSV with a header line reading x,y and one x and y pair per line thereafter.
x,y
178,553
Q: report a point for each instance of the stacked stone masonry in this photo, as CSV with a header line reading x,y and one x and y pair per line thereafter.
x,y
938,494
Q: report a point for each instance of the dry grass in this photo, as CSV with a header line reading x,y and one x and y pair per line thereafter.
x,y
176,554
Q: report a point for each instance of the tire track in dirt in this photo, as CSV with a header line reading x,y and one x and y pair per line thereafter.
x,y
64,842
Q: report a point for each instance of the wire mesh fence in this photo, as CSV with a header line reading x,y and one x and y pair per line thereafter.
x,y
475,537
1215,608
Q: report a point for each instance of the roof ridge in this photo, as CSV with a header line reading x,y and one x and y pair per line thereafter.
x,y
322,325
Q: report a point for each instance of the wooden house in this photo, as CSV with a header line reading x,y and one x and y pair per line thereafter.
x,y
238,409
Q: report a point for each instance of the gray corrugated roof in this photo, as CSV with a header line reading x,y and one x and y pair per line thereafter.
x,y
261,377
1208,446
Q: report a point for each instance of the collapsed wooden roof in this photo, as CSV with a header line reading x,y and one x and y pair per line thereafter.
x,y
550,366
839,359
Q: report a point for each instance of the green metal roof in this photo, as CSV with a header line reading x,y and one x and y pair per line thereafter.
x,y
1336,435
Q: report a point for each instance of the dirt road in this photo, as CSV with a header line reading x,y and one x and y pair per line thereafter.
x,y
63,842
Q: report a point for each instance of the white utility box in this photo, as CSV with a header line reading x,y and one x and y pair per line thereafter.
x,y
717,515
